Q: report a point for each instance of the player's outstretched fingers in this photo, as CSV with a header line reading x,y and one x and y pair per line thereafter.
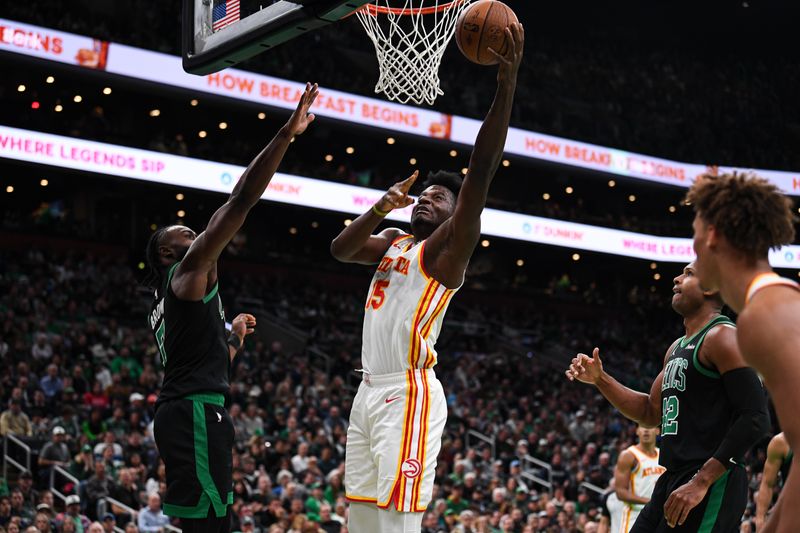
x,y
407,183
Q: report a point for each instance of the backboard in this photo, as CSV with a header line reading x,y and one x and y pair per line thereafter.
x,y
214,36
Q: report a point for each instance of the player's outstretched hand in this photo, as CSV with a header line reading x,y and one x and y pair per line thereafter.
x,y
244,324
509,63
586,369
301,118
397,196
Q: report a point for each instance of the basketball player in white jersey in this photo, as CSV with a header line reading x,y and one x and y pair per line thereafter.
x,y
399,412
635,476
738,219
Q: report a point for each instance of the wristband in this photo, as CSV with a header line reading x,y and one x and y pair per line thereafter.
x,y
235,341
378,211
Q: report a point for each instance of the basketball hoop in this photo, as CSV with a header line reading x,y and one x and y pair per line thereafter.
x,y
410,41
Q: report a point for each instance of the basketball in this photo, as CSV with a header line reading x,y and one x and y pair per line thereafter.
x,y
482,26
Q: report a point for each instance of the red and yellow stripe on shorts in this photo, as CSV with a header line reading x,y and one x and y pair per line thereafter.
x,y
410,472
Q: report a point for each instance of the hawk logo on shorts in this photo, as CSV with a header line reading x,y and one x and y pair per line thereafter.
x,y
411,468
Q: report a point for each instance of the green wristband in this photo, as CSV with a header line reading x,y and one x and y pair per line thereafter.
x,y
378,211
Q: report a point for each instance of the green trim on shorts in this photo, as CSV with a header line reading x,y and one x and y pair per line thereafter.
x,y
210,497
214,398
714,504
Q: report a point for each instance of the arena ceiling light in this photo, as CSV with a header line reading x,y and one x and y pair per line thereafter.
x,y
672,209
329,158
223,125
107,91
520,262
179,196
453,153
612,183
193,102
632,198
10,189
58,108
202,134
77,99
412,161
155,112
44,183
576,257
569,190
390,140
485,243
50,79
506,163
350,150
21,88
546,196
262,116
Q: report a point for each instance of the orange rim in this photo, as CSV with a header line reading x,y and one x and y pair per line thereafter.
x,y
374,9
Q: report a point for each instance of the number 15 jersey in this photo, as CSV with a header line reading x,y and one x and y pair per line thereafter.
x,y
404,311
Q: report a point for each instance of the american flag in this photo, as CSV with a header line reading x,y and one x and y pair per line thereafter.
x,y
225,12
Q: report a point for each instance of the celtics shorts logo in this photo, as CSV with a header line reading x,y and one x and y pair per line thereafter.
x,y
411,468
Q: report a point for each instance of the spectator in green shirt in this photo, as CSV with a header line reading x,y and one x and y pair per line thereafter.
x,y
127,360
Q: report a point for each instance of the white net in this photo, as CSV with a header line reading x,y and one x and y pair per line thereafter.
x,y
410,41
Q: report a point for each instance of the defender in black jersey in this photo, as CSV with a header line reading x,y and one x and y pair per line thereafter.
x,y
711,408
193,431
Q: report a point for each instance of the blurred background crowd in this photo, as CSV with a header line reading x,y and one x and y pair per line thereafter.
x,y
524,450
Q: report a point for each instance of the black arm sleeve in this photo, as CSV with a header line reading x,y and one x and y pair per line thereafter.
x,y
751,418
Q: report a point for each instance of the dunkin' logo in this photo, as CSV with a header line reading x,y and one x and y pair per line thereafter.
x,y
411,468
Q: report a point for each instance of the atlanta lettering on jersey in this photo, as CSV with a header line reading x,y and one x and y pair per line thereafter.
x,y
400,265
653,471
674,375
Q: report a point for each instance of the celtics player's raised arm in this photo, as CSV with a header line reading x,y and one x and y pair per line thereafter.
x,y
450,247
197,271
356,242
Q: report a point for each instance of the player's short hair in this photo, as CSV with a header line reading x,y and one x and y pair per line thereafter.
x,y
750,212
449,180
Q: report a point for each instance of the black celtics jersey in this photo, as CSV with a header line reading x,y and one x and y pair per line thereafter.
x,y
695,411
191,338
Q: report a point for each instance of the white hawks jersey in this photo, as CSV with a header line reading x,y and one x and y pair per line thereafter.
x,y
646,473
403,313
643,481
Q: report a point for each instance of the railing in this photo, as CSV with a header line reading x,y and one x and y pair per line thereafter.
x,y
7,459
102,509
55,488
533,478
592,487
480,436
529,472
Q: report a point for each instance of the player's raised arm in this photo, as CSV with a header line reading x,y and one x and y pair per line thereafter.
x,y
194,275
449,248
645,409
356,243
